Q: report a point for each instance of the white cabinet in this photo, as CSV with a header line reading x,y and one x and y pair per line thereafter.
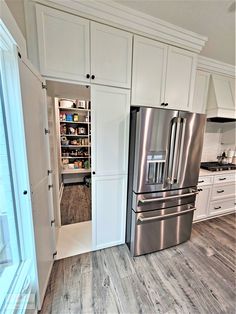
x,y
110,132
201,91
202,203
149,70
109,195
63,43
180,78
76,49
162,75
111,53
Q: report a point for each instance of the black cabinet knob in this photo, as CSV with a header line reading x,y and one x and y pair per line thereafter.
x,y
93,77
163,104
166,104
25,192
94,172
87,76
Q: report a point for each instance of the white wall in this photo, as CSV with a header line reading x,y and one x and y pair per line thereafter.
x,y
17,10
218,138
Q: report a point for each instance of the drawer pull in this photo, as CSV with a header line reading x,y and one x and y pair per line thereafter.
x,y
201,181
143,219
199,190
220,191
222,179
219,207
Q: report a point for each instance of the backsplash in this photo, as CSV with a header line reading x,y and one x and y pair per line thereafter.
x,y
218,137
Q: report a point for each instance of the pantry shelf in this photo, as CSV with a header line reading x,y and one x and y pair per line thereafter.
x,y
73,122
71,171
74,146
77,157
74,109
77,135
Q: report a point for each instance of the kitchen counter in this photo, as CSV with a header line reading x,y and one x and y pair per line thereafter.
x,y
204,172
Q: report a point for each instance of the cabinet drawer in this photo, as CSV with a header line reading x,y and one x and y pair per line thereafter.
x,y
223,178
221,206
207,180
220,191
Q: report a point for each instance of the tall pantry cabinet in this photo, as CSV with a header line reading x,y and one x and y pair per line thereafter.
x,y
76,49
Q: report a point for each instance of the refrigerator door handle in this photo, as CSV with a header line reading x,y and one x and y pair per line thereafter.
x,y
144,201
176,148
171,150
143,219
183,122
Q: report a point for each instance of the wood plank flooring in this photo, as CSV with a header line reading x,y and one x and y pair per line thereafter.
x,y
75,204
194,277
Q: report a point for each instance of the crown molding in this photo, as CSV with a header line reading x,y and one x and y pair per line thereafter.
x,y
117,15
215,66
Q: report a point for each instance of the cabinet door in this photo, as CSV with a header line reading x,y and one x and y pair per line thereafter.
x,y
202,203
201,92
63,42
224,91
111,53
35,122
180,78
109,210
110,130
149,68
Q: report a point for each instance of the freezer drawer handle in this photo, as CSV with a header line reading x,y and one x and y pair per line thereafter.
x,y
142,219
167,197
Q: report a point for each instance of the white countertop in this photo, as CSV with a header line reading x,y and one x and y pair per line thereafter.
x,y
204,172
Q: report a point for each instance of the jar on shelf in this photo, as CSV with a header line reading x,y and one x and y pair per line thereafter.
x,y
76,117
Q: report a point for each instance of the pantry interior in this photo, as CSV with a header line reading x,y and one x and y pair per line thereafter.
x,y
69,118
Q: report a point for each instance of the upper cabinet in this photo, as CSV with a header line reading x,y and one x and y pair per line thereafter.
x,y
149,71
111,53
66,49
162,75
201,91
63,43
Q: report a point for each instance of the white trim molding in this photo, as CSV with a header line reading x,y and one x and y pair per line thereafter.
x,y
215,66
120,16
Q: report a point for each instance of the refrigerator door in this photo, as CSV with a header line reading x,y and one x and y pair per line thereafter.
x,y
151,130
184,164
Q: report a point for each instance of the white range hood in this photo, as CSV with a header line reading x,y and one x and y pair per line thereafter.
x,y
221,99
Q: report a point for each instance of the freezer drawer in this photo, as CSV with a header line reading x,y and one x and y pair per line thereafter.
x,y
156,230
221,191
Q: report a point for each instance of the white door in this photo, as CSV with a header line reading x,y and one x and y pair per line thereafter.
x,y
202,203
201,91
63,42
180,78
110,132
149,70
109,194
111,53
35,122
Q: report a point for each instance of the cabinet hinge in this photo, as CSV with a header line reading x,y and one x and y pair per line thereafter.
x,y
54,254
46,131
19,55
44,86
52,222
50,186
50,172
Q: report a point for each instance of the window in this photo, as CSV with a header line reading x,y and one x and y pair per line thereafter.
x,y
17,252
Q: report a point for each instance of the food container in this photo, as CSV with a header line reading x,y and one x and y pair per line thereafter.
x,y
66,103
69,117
80,104
82,130
71,166
76,117
64,140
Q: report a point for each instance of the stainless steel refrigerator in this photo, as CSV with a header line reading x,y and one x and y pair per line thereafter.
x,y
164,161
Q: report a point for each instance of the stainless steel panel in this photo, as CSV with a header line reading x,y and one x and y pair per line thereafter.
x,y
165,149
164,199
156,230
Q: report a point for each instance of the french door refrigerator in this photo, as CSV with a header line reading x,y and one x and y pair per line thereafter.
x,y
164,161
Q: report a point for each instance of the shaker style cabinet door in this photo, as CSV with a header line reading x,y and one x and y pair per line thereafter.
x,y
110,130
109,196
180,78
63,41
201,91
149,69
202,203
111,53
224,89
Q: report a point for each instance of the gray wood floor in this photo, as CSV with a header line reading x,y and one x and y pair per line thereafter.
x,y
75,204
194,277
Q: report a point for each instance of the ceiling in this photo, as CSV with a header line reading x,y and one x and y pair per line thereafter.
x,y
212,18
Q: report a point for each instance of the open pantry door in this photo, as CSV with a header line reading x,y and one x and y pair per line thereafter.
x,y
37,140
